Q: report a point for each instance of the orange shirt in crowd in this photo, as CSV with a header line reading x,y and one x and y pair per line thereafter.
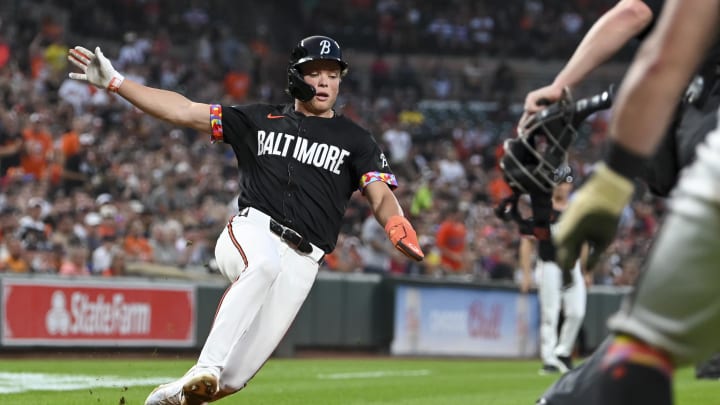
x,y
70,143
138,248
15,265
450,236
38,145
237,85
497,187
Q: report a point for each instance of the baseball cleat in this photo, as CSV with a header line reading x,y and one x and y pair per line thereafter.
x,y
567,361
199,389
555,366
166,394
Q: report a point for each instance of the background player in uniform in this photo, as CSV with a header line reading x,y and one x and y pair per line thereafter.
x,y
672,317
299,164
555,350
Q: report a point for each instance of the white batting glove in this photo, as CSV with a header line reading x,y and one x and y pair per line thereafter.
x,y
96,68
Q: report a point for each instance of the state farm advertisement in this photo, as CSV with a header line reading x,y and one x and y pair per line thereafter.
x,y
67,313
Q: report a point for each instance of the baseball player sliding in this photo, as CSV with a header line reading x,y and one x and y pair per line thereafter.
x,y
299,164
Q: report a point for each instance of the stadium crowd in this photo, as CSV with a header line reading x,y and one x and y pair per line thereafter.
x,y
90,186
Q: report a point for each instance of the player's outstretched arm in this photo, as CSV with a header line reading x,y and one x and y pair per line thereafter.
x,y
389,214
605,38
163,104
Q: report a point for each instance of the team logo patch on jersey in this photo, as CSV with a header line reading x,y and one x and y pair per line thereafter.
x,y
383,161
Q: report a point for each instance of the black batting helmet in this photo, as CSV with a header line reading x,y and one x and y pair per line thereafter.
x,y
316,47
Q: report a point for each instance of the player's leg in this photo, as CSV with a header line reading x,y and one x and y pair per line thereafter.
x,y
550,281
278,311
673,317
247,255
573,304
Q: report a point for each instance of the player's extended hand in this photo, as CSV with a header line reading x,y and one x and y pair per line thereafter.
x,y
96,68
592,216
536,100
403,237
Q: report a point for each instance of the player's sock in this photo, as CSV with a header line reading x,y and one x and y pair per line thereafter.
x,y
635,373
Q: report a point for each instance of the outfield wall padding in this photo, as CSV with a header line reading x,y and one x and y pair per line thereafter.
x,y
342,312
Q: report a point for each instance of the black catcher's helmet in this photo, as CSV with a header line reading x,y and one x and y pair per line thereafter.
x,y
311,48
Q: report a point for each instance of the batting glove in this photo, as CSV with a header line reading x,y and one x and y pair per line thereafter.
x,y
592,217
96,68
403,237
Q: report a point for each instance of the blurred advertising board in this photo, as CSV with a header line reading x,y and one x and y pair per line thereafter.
x,y
48,312
457,321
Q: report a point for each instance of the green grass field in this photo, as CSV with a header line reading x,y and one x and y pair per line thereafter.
x,y
381,381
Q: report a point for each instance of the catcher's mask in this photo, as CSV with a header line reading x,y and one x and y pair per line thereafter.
x,y
532,159
316,47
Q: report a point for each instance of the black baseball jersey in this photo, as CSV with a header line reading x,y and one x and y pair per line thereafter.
x,y
300,170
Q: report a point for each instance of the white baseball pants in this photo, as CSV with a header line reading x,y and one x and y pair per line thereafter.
x,y
552,298
270,281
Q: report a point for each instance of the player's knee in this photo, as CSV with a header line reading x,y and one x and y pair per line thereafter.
x,y
575,313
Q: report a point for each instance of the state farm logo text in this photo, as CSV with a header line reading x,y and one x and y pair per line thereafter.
x,y
84,316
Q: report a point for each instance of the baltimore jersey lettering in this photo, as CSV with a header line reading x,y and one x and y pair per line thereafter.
x,y
301,170
322,155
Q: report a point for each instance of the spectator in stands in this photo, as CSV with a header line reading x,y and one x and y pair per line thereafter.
x,y
474,76
450,169
346,257
11,145
73,146
137,246
406,77
398,144
377,250
102,255
75,262
15,258
167,244
63,234
33,230
117,267
451,241
38,146
504,82
380,74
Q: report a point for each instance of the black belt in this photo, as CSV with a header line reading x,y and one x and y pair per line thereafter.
x,y
291,237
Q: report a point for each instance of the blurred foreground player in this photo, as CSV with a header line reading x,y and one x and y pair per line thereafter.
x,y
672,318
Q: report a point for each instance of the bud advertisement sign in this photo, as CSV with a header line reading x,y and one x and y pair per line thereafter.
x,y
72,313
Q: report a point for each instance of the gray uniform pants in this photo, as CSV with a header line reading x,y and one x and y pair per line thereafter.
x,y
676,304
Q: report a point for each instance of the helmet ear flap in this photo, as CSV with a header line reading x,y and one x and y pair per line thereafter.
x,y
297,87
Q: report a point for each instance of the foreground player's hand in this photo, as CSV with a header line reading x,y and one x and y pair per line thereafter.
x,y
96,68
536,100
403,237
592,216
